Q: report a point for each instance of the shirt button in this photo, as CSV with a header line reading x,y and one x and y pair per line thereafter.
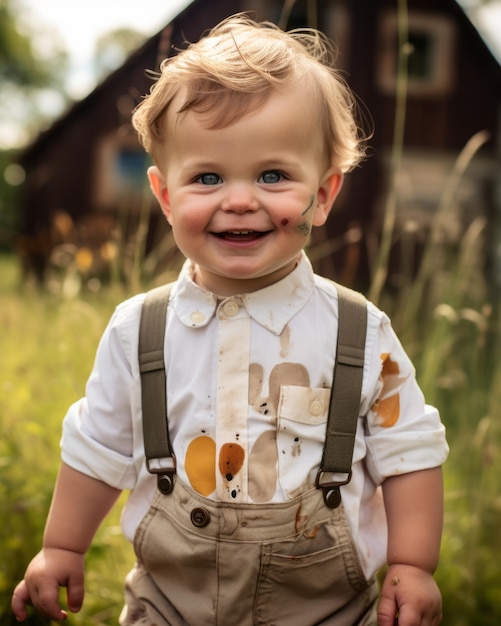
x,y
316,407
200,517
230,308
197,317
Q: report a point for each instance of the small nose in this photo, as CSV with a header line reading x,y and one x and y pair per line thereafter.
x,y
240,198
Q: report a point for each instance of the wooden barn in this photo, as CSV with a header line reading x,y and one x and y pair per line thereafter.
x,y
85,191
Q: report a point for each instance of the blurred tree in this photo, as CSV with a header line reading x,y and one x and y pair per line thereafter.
x,y
111,49
33,64
19,63
11,177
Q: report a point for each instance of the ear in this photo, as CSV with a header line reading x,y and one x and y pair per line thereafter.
x,y
329,188
159,189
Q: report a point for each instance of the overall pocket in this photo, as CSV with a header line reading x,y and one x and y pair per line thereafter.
x,y
308,578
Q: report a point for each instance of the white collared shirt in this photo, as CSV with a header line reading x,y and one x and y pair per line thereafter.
x,y
248,385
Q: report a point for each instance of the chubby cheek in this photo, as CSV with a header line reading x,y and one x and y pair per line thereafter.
x,y
187,222
300,224
185,232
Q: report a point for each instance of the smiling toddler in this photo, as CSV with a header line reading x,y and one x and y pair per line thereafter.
x,y
251,132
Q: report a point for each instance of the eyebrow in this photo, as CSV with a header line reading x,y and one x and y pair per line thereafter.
x,y
200,166
275,161
266,164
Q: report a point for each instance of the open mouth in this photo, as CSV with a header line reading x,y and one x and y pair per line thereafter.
x,y
241,235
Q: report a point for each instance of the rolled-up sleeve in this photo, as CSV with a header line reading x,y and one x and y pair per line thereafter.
x,y
98,430
404,434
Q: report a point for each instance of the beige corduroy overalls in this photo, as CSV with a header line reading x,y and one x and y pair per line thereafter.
x,y
201,562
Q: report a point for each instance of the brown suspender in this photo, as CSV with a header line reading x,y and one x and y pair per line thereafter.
x,y
335,469
346,390
157,444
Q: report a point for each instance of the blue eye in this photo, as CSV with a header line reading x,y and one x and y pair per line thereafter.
x,y
209,179
270,177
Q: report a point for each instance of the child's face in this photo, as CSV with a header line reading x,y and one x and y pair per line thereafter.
x,y
242,199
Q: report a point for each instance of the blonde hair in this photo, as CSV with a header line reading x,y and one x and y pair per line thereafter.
x,y
234,68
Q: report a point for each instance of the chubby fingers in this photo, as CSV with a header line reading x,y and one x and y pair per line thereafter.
x,y
45,599
20,599
387,611
75,592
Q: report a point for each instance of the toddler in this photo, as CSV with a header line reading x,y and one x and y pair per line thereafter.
x,y
250,132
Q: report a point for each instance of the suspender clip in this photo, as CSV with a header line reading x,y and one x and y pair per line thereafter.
x,y
165,470
331,487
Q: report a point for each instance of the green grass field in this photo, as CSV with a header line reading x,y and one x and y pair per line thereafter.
x,y
47,347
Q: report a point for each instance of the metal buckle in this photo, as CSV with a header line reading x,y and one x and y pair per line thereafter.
x,y
331,488
165,472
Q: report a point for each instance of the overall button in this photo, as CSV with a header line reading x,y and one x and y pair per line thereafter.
x,y
200,517
230,308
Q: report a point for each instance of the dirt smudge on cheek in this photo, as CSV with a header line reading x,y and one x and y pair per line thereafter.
x,y
303,228
310,204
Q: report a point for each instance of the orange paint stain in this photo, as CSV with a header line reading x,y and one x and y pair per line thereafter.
x,y
311,533
389,367
388,409
200,465
231,459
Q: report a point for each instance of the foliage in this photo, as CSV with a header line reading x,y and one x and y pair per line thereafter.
x,y
453,335
9,199
33,63
40,376
111,49
20,63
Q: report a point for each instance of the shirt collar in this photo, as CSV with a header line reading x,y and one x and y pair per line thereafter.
x,y
272,307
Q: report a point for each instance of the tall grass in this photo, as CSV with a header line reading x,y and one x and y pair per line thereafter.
x,y
449,321
47,346
453,334
452,330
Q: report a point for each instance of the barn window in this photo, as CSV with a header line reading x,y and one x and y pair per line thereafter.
x,y
120,171
429,50
420,55
130,171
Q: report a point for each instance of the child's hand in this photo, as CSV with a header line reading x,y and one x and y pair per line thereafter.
x,y
409,597
50,569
